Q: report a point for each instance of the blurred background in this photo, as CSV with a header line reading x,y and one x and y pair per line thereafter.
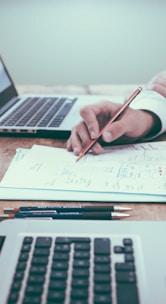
x,y
59,42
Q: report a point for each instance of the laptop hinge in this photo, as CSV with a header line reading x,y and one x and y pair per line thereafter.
x,y
7,106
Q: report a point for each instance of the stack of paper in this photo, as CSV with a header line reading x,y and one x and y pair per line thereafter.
x,y
122,173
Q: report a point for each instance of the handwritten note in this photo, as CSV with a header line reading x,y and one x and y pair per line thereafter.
x,y
139,168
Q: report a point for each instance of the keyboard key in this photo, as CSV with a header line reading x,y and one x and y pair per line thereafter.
x,y
102,259
81,264
56,296
103,299
81,255
118,249
100,268
13,297
61,256
57,285
41,252
128,249
43,242
33,290
101,246
83,282
32,300
129,257
79,293
39,260
58,275
102,278
127,242
127,293
38,270
124,266
28,240
126,277
60,265
102,288
82,246
80,273
36,280
62,248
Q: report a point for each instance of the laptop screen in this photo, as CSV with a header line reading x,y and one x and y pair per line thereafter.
x,y
7,89
5,81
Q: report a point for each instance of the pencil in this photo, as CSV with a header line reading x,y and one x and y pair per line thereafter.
x,y
117,114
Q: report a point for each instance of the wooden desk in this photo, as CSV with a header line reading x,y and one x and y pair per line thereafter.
x,y
8,146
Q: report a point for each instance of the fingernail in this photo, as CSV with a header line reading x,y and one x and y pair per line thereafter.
x,y
75,150
107,136
92,134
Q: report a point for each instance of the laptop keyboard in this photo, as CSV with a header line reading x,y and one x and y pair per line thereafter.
x,y
75,270
41,112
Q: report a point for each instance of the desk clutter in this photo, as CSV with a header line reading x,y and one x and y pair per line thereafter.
x,y
69,213
133,172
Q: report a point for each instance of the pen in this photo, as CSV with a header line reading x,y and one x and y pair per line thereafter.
x,y
117,114
61,209
69,216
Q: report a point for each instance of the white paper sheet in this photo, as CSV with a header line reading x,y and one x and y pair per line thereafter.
x,y
122,171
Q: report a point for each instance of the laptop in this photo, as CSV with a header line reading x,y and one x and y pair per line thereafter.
x,y
78,262
46,116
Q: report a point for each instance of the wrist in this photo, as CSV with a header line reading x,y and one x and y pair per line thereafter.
x,y
153,124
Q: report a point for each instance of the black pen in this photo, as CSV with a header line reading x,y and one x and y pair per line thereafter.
x,y
61,209
67,215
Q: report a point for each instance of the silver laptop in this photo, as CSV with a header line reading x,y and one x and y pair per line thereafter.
x,y
44,261
39,115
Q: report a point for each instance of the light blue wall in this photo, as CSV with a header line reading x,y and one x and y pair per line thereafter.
x,y
83,41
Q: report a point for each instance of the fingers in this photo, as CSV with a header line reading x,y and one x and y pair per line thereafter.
x,y
79,138
96,116
89,115
132,125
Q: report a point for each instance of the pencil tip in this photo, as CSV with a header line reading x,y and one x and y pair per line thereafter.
x,y
79,157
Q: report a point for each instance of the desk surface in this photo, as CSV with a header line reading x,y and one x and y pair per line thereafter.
x,y
8,146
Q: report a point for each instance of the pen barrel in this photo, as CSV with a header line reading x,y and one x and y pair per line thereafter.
x,y
68,215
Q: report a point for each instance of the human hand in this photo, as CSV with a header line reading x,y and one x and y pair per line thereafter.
x,y
131,126
158,83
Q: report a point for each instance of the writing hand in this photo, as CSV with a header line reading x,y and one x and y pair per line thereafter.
x,y
133,125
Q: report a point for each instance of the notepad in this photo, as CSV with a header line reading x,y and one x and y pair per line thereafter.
x,y
134,172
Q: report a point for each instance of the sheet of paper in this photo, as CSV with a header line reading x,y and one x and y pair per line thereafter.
x,y
138,169
79,196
